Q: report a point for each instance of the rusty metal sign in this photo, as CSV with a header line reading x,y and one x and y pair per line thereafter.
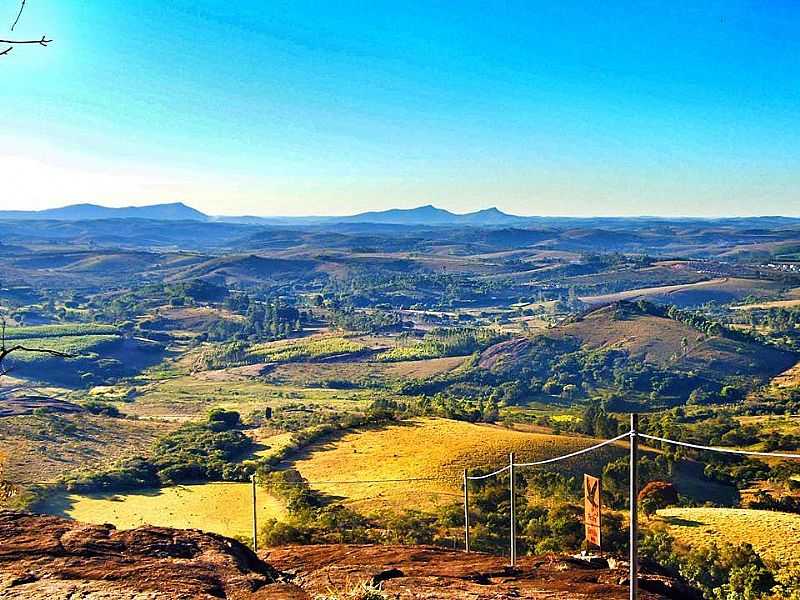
x,y
592,509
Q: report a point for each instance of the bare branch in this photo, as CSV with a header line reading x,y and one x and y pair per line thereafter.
x,y
4,352
6,51
19,14
42,42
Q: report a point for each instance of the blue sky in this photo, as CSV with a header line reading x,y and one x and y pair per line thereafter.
x,y
289,108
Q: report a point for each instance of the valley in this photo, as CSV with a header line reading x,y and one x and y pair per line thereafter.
x,y
355,368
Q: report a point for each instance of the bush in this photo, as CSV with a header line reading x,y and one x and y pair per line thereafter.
x,y
220,419
101,408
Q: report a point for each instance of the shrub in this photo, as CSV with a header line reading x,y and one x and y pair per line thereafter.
x,y
101,408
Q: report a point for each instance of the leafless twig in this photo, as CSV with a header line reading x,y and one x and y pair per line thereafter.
x,y
4,351
19,14
11,43
42,42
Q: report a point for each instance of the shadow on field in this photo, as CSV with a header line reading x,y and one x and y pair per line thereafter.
x,y
681,522
60,503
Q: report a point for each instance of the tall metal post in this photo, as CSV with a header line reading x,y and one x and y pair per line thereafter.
x,y
513,510
633,576
255,515
466,512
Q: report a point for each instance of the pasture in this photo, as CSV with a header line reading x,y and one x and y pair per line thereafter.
x,y
190,397
433,449
224,508
774,535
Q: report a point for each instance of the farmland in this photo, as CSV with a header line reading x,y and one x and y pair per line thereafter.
x,y
434,449
699,527
224,508
333,362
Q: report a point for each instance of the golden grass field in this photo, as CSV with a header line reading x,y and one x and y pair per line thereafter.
x,y
428,448
766,305
224,508
191,397
774,535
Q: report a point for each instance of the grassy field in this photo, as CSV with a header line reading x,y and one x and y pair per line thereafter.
x,y
727,289
427,448
774,535
304,349
420,369
189,396
224,508
43,447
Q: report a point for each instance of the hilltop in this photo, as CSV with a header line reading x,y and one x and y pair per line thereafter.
x,y
53,558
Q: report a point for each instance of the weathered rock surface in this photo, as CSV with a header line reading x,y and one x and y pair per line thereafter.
x,y
59,559
437,574
55,558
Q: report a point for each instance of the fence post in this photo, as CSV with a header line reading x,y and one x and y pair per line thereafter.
x,y
633,576
466,512
513,510
255,515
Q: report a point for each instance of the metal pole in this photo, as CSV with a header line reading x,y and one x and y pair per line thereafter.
x,y
255,516
466,512
633,576
513,510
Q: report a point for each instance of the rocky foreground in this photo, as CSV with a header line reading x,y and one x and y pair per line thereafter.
x,y
55,558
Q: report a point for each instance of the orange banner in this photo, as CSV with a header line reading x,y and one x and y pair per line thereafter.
x,y
592,509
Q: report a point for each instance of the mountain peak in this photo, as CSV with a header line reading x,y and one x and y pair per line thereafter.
x,y
173,211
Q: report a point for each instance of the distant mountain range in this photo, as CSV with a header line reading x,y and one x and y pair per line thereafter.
x,y
423,215
176,211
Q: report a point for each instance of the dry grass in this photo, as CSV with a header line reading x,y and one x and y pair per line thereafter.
x,y
788,379
658,340
774,304
774,535
224,508
420,369
427,448
730,286
42,448
191,397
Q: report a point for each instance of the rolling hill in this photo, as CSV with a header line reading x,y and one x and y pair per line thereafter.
x,y
636,348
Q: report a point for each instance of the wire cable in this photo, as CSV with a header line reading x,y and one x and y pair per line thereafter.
x,y
492,474
573,454
718,449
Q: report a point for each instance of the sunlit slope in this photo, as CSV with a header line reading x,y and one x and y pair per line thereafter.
x,y
438,449
224,508
774,535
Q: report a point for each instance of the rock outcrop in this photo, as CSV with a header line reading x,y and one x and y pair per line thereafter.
x,y
55,558
417,572
47,557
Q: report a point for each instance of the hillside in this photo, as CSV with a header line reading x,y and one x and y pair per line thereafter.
x,y
643,352
650,338
51,558
659,339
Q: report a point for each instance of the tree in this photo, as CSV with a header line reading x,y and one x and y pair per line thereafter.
x,y
43,41
657,495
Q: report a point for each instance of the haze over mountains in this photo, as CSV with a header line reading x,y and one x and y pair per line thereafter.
x,y
178,211
427,215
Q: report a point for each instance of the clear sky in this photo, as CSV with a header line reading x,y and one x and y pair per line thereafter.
x,y
294,108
